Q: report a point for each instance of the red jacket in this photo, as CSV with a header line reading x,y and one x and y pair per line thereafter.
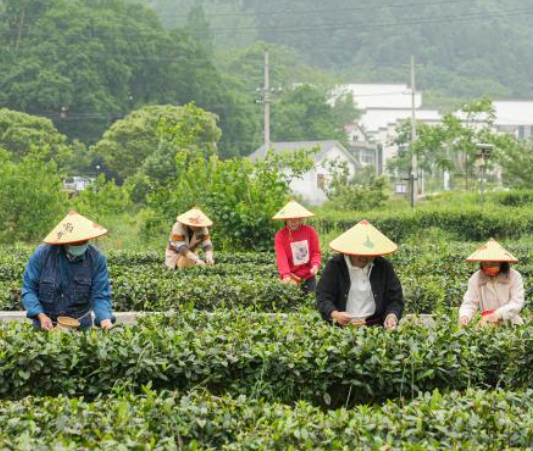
x,y
297,251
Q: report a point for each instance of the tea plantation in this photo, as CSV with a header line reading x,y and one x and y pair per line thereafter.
x,y
235,360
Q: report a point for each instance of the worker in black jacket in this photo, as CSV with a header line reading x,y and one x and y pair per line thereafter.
x,y
359,286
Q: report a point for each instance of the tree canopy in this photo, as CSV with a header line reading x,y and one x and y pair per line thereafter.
x,y
86,63
152,135
465,49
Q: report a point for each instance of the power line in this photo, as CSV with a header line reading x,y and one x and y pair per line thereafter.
x,y
369,26
259,13
361,26
95,115
321,11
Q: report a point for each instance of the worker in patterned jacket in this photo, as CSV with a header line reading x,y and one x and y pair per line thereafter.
x,y
298,256
190,231
68,277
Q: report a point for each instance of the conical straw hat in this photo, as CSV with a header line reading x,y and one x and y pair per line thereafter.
x,y
74,228
364,240
492,251
195,218
293,210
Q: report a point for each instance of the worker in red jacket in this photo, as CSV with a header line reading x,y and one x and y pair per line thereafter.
x,y
297,248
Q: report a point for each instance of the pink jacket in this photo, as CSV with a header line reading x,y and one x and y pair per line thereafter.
x,y
504,294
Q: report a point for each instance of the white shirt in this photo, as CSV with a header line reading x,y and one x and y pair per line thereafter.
x,y
361,302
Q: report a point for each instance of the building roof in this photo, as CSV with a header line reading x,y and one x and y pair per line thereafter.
x,y
513,112
373,120
288,147
379,95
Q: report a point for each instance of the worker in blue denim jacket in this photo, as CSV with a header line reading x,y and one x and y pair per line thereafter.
x,y
68,277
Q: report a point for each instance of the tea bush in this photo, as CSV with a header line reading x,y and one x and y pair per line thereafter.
x,y
464,223
434,278
475,419
283,358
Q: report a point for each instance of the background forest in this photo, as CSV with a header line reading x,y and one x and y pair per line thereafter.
x,y
148,97
86,63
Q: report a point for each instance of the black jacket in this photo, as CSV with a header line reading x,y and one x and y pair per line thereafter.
x,y
334,286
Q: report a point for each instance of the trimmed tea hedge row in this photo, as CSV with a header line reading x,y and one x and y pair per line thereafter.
x,y
282,358
466,223
441,258
473,420
434,279
424,294
13,262
437,259
141,291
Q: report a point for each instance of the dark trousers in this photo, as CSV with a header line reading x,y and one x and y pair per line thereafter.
x,y
309,285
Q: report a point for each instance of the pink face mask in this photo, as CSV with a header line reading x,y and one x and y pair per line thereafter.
x,y
491,271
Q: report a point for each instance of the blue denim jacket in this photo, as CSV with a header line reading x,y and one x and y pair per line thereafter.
x,y
57,286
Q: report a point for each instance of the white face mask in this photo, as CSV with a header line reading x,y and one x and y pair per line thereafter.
x,y
77,251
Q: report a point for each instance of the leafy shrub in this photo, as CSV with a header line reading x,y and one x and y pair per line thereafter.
x,y
240,196
434,279
279,357
348,193
475,419
514,198
465,223
102,199
31,197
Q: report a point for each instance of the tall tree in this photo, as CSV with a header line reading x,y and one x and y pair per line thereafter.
x,y
153,134
86,63
304,114
21,133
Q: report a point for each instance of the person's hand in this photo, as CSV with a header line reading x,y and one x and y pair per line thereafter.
x,y
391,322
46,322
209,258
342,318
464,321
286,280
199,262
314,270
106,324
492,319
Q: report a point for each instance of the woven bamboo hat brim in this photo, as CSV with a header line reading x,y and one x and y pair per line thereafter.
x,y
73,229
492,251
293,210
363,240
195,218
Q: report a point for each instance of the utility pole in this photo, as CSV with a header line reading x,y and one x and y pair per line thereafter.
x,y
266,101
414,163
483,152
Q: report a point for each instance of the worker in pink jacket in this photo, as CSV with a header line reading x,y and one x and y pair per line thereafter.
x,y
297,248
495,290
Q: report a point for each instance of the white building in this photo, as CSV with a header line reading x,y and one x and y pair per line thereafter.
x,y
76,184
514,117
380,126
383,108
311,188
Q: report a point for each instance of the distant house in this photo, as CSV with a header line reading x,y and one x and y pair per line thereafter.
x,y
380,126
76,184
311,188
383,107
